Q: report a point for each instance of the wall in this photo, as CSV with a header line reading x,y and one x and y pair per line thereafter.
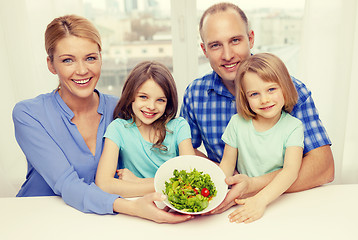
x,y
24,73
329,67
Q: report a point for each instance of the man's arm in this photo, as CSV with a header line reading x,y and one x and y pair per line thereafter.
x,y
317,164
200,153
317,169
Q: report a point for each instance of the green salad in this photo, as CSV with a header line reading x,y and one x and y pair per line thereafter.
x,y
190,191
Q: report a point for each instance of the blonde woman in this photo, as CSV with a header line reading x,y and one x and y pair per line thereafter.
x,y
61,132
145,132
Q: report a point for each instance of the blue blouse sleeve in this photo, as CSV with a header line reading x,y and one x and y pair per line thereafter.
x,y
45,154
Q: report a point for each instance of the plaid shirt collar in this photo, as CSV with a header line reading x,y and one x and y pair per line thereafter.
x,y
217,86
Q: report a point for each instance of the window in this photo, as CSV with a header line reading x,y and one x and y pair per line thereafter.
x,y
277,26
137,30
131,31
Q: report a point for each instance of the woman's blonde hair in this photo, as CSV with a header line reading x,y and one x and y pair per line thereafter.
x,y
161,75
269,68
69,25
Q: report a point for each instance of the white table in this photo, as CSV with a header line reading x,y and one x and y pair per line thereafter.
x,y
327,212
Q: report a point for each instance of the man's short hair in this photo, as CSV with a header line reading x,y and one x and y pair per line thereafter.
x,y
222,7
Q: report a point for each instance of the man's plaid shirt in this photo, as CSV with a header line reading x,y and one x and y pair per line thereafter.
x,y
208,107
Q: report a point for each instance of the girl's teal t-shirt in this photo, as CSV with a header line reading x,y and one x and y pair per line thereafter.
x,y
262,152
137,154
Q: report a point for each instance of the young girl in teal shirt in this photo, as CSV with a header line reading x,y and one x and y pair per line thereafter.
x,y
145,132
263,137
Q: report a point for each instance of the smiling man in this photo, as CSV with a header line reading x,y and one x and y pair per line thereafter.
x,y
209,102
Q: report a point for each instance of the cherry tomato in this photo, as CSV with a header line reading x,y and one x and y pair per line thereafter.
x,y
205,192
196,191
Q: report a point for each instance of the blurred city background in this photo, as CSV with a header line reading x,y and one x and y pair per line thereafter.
x,y
317,40
137,30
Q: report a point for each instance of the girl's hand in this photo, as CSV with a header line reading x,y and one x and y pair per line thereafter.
x,y
126,175
252,209
240,185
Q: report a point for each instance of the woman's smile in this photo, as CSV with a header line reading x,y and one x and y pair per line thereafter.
x,y
82,81
77,62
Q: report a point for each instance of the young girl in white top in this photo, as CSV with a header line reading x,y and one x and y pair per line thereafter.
x,y
144,133
263,137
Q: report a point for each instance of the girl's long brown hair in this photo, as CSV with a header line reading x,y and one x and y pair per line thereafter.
x,y
162,76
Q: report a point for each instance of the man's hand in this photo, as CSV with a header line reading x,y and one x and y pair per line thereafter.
x,y
240,184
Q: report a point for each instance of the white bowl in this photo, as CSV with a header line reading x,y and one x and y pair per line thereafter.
x,y
188,163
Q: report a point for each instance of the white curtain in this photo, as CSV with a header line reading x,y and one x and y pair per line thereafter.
x,y
24,73
329,62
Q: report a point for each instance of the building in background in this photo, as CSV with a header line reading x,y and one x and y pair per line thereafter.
x,y
136,30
